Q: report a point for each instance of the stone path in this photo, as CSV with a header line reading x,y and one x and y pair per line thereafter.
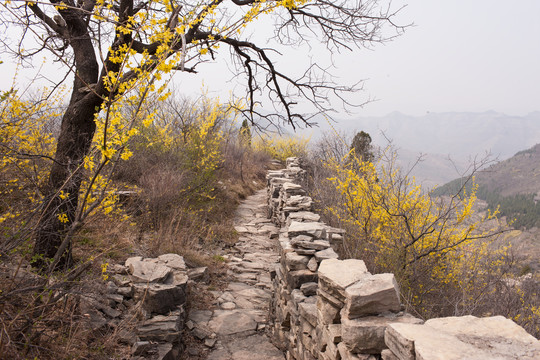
x,y
237,331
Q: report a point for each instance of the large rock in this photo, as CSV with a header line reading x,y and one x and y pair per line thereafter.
x,y
336,275
371,295
464,337
296,278
162,328
366,335
230,322
160,298
304,216
316,230
295,261
326,254
147,270
174,261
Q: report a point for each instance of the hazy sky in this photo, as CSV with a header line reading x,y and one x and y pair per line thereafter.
x,y
460,55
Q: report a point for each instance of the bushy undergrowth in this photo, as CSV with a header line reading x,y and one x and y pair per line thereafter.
x,y
281,147
449,258
167,180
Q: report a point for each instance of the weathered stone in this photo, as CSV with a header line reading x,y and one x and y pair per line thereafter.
x,y
161,328
336,275
293,189
309,289
326,254
304,216
332,352
174,261
110,312
210,342
160,298
126,291
166,351
295,261
284,247
312,264
347,355
199,274
333,333
141,348
254,347
117,298
295,279
178,278
330,298
387,354
327,313
228,306
366,335
118,269
229,322
308,252
200,332
371,295
462,337
310,244
301,238
147,270
314,229
482,327
121,280
309,313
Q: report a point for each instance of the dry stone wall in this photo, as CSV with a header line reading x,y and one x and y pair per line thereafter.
x,y
332,309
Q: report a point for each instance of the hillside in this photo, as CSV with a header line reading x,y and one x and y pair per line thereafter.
x,y
518,175
512,184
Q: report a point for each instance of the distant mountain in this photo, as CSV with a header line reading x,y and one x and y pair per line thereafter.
x,y
518,175
458,136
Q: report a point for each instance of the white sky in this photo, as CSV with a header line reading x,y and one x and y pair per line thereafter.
x,y
461,55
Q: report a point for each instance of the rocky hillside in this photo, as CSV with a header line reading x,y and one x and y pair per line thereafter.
x,y
513,185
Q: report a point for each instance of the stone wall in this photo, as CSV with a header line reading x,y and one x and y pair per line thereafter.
x,y
326,308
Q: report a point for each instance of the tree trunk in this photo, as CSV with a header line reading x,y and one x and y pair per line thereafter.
x,y
64,182
76,134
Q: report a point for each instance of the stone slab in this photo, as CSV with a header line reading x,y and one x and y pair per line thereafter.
x,y
336,275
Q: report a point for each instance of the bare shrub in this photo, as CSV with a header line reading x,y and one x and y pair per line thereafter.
x,y
443,251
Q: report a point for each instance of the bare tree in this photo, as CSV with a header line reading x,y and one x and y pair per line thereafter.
x,y
109,44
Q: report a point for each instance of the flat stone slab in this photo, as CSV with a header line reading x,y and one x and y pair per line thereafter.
x,y
254,347
465,337
314,229
230,322
336,275
373,294
304,216
147,270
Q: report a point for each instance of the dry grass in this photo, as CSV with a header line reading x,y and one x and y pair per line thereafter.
x,y
173,209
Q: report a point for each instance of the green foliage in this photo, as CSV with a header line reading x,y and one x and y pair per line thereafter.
x,y
522,210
